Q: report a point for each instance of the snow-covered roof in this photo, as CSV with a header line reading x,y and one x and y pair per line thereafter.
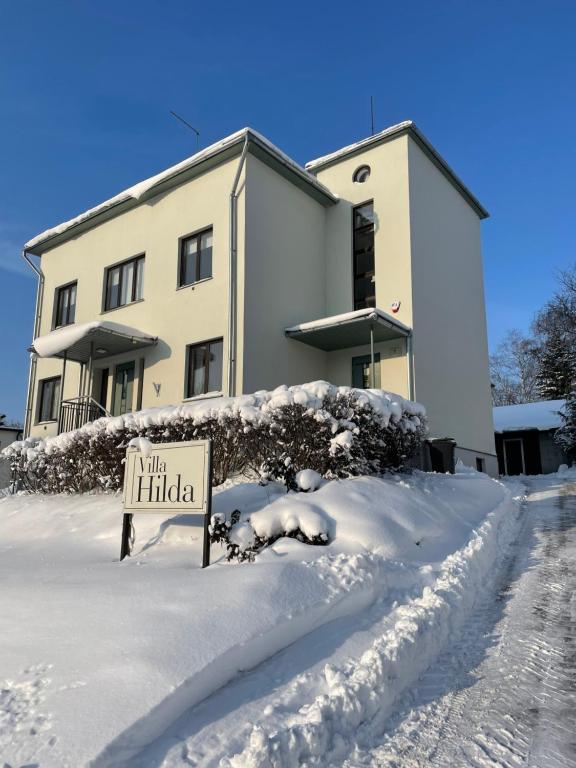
x,y
147,188
76,340
407,126
542,416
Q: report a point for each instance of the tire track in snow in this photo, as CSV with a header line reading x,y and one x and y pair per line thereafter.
x,y
505,693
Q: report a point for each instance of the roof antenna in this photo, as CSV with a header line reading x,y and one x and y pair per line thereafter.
x,y
187,124
372,114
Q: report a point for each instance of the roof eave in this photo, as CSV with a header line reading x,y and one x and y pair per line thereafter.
x,y
256,146
407,128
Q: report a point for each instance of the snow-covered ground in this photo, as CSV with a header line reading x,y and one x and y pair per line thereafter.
x,y
106,664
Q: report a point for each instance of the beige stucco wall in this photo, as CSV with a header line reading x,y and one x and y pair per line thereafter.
x,y
177,316
284,281
450,343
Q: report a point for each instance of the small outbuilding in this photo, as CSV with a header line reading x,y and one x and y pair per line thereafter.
x,y
525,438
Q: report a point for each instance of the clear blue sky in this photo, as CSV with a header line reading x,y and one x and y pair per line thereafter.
x,y
86,87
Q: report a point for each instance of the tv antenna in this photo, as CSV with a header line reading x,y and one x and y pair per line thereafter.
x,y
372,115
187,124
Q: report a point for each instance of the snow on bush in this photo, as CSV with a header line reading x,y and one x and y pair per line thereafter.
x,y
334,431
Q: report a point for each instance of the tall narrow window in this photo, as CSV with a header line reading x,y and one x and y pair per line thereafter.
x,y
204,368
124,283
363,257
65,308
195,258
49,395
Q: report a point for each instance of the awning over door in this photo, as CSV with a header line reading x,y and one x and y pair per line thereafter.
x,y
98,339
349,330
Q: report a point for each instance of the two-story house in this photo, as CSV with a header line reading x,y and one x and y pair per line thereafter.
x,y
238,270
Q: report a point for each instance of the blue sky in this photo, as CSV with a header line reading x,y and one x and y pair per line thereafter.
x,y
86,89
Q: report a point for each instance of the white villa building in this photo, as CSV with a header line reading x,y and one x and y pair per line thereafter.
x,y
238,270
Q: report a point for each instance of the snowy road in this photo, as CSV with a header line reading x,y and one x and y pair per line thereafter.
x,y
504,694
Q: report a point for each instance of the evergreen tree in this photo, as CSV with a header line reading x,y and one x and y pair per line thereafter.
x,y
565,436
556,374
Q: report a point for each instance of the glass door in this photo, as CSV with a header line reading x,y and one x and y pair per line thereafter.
x,y
123,389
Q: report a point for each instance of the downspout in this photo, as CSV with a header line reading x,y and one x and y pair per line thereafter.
x,y
232,269
33,356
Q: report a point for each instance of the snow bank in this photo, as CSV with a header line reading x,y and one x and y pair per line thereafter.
x,y
100,657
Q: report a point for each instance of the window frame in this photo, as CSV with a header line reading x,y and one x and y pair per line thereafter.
x,y
355,229
55,401
361,360
188,378
197,234
57,293
107,271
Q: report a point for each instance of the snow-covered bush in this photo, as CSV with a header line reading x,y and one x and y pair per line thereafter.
x,y
335,431
244,539
565,436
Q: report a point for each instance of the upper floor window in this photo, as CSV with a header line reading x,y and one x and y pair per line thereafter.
x,y
49,399
204,368
65,307
124,283
195,258
363,256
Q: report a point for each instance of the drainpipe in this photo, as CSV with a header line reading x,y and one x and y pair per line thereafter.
x,y
372,369
232,273
33,356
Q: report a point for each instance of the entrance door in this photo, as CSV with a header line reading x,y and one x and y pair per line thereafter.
x,y
514,456
123,389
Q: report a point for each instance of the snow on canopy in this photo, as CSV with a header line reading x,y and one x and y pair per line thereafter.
x,y
63,338
346,317
542,416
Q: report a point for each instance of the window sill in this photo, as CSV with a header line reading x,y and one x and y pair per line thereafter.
x,y
58,327
207,396
44,423
122,306
193,285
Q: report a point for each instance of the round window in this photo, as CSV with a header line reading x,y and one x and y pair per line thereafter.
x,y
361,174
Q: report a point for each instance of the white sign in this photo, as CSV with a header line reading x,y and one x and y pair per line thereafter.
x,y
170,479
174,477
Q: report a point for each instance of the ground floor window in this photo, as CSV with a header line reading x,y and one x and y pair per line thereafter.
x,y
204,367
361,372
49,399
480,464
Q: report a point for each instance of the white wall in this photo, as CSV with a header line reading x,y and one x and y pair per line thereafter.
x,y
450,343
284,280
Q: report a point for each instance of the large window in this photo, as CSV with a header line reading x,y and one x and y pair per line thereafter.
x,y
49,399
204,368
124,283
195,258
363,247
65,305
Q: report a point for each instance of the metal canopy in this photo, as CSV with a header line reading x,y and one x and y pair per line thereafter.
x,y
102,342
350,330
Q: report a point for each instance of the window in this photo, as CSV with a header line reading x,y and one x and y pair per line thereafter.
x,y
479,464
65,305
361,373
124,283
204,368
361,174
49,399
195,258
363,256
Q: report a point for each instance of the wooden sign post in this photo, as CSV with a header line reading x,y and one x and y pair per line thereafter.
x,y
169,479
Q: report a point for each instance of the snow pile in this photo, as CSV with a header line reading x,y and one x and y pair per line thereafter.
x,y
99,657
335,431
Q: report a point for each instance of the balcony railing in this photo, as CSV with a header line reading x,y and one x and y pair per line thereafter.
x,y
77,411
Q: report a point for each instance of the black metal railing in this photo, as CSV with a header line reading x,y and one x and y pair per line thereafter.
x,y
77,411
